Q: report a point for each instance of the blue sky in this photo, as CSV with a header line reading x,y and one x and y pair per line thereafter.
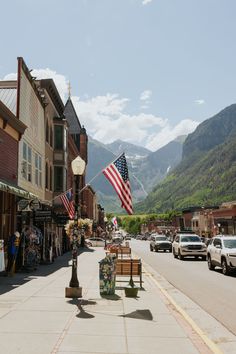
x,y
144,71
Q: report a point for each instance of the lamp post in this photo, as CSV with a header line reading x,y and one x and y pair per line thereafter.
x,y
105,223
74,291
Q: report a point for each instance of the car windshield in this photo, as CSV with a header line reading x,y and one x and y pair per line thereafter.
x,y
190,239
230,243
161,238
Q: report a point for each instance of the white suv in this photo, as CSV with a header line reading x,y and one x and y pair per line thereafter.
x,y
188,245
221,252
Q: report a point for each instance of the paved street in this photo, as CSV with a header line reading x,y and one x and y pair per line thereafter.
x,y
35,317
213,291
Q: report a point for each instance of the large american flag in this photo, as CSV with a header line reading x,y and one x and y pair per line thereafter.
x,y
67,200
117,174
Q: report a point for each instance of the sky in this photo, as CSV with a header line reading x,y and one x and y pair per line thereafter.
x,y
143,71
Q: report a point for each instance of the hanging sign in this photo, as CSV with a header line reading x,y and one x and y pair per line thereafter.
x,y
22,204
34,204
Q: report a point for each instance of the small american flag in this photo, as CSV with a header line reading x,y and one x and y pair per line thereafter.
x,y
117,174
67,200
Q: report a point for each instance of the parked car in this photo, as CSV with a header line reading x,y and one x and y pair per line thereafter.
x,y
189,245
95,242
160,242
221,252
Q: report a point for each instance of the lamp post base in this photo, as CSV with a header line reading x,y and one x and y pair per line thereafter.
x,y
73,292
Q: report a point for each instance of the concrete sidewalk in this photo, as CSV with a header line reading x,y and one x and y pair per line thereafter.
x,y
35,317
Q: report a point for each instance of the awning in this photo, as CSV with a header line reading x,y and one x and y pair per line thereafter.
x,y
20,192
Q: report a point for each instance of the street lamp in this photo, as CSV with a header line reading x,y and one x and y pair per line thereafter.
x,y
74,291
105,223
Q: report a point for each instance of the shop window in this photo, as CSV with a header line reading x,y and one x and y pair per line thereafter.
x,y
58,137
58,178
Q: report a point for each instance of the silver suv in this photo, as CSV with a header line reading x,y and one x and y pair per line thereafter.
x,y
160,242
221,252
188,245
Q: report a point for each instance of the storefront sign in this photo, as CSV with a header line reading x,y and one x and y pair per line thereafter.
x,y
43,215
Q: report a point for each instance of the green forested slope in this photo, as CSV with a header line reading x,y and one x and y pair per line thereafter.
x,y
211,180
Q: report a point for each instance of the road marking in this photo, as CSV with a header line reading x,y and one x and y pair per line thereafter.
x,y
193,324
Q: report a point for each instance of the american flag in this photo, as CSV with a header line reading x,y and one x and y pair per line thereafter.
x,y
117,174
67,200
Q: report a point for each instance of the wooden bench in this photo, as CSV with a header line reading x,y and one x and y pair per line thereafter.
x,y
123,269
121,251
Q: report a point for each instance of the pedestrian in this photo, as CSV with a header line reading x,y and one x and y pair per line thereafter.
x,y
13,246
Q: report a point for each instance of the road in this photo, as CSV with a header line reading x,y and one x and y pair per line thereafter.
x,y
211,290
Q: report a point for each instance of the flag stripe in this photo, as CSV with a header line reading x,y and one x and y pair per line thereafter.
x,y
119,185
118,191
67,201
117,175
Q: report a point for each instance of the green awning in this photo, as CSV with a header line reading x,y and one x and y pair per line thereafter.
x,y
8,188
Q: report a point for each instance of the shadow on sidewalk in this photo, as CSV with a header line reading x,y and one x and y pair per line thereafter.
x,y
82,313
20,278
140,315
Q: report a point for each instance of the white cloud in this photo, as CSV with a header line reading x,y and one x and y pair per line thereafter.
x,y
60,80
12,76
106,118
199,102
146,95
169,132
145,99
145,2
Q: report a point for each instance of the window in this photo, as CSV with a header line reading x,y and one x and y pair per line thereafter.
x,y
58,137
58,178
50,177
65,139
47,132
51,136
38,170
46,175
29,174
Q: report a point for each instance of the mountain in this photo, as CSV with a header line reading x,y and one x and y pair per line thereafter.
x,y
98,158
207,172
131,151
154,168
146,168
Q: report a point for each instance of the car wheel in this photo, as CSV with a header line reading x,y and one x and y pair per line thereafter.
x,y
170,250
225,268
151,249
180,255
209,263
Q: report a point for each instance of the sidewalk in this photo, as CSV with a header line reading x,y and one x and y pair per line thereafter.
x,y
35,317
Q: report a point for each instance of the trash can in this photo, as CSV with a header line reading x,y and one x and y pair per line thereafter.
x,y
107,275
